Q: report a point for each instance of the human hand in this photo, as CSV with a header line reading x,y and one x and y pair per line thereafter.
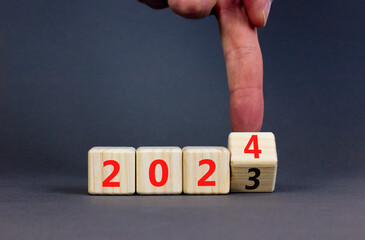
x,y
237,20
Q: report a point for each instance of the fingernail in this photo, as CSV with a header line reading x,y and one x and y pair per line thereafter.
x,y
266,11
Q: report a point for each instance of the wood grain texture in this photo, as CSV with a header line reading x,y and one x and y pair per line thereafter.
x,y
173,158
97,173
243,164
192,172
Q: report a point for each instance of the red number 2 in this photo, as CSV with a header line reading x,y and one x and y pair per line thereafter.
x,y
107,182
203,181
256,151
152,173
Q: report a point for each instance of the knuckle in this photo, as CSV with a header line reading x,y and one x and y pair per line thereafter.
x,y
241,53
239,92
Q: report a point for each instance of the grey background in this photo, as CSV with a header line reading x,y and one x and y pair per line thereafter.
x,y
76,74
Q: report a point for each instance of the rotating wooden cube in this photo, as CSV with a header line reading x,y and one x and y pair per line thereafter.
x,y
253,162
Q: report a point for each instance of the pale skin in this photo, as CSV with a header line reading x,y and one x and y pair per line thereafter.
x,y
238,20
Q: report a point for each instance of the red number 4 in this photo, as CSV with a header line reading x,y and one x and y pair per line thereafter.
x,y
256,151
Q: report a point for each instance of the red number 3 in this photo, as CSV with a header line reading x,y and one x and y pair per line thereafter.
x,y
107,182
256,151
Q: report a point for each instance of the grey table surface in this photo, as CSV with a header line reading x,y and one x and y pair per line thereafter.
x,y
60,208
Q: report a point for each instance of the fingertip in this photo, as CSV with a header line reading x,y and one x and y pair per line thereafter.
x,y
258,11
247,110
258,20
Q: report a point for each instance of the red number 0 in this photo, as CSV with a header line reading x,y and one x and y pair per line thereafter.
x,y
107,182
203,181
256,151
152,173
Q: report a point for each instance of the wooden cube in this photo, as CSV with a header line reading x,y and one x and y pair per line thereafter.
x,y
253,162
206,170
111,170
159,170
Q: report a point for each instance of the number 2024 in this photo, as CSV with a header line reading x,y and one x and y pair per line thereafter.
x,y
202,182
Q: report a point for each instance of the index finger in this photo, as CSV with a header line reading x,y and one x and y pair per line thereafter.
x,y
244,67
